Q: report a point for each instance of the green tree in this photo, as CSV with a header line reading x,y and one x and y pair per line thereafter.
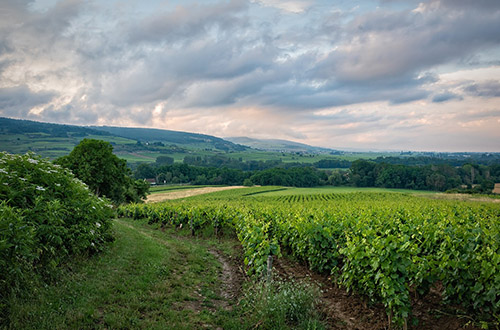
x,y
164,160
93,162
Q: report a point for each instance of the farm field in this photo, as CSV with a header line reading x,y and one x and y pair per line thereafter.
x,y
164,188
183,193
331,190
397,251
366,258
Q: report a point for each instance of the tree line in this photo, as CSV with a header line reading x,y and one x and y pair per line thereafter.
x,y
441,177
184,173
362,173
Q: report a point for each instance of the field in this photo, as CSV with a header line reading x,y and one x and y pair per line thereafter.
x,y
394,249
184,193
331,190
358,258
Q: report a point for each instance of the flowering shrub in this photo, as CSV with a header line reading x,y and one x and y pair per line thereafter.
x,y
46,215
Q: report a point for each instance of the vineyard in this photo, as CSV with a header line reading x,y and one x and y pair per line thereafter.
x,y
387,247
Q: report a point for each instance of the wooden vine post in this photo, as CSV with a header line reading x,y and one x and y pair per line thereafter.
x,y
269,268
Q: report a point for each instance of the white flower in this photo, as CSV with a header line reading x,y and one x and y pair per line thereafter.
x,y
32,161
22,179
97,224
58,184
40,188
92,244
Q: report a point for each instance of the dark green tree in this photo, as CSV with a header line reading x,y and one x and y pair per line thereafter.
x,y
93,162
164,160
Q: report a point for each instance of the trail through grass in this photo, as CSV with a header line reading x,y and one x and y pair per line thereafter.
x,y
146,279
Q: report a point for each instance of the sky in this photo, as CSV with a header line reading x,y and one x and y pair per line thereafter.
x,y
367,75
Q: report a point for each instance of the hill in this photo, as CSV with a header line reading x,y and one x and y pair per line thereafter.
x,y
134,144
281,145
174,137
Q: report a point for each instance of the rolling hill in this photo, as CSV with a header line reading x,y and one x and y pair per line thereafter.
x,y
171,137
280,145
134,144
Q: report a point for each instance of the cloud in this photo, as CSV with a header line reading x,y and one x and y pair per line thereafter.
x,y
186,22
292,6
489,88
221,62
18,101
383,44
445,96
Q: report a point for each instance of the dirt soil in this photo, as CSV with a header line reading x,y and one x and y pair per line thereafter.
x,y
232,277
176,194
463,197
343,310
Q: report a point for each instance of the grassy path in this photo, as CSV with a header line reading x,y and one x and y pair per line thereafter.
x,y
146,279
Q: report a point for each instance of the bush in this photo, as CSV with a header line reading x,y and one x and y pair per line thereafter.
x,y
248,183
46,216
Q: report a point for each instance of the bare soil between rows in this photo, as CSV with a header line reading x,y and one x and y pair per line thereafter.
x,y
341,310
344,310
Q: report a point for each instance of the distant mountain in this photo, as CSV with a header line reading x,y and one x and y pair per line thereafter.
x,y
171,137
280,145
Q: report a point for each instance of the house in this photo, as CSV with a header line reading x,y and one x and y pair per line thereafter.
x,y
151,181
496,190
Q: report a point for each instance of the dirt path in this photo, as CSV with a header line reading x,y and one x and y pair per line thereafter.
x,y
232,277
154,198
348,311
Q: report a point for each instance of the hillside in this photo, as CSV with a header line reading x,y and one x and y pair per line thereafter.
x,y
134,144
280,145
171,137
16,126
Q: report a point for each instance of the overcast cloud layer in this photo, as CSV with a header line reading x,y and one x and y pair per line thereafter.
x,y
388,74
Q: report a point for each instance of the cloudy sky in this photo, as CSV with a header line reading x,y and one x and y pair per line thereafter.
x,y
387,74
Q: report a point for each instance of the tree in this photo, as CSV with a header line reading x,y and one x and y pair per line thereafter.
x,y
137,191
164,160
93,162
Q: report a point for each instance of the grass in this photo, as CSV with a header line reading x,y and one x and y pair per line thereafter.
x,y
145,280
281,305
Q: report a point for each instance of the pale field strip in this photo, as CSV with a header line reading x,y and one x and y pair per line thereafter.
x,y
159,197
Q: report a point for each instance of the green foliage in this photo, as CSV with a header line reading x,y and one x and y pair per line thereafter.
x,y
247,183
137,191
164,160
281,305
46,216
93,162
425,177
